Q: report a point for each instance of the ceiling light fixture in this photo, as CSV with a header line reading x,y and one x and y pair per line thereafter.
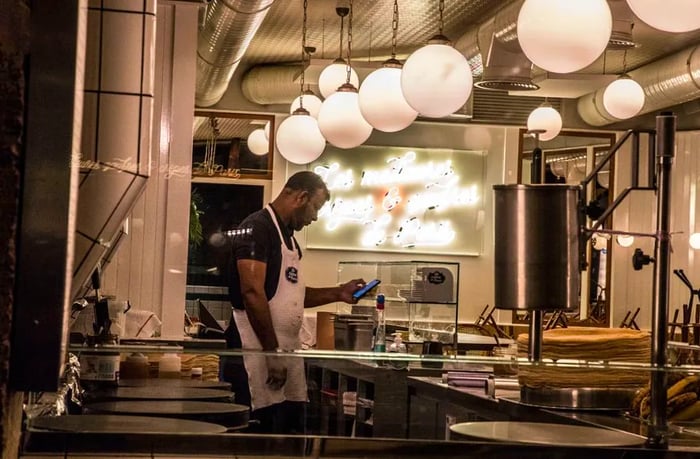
x,y
694,241
258,144
545,120
311,102
299,139
669,15
436,80
624,240
624,97
334,75
339,118
381,101
564,36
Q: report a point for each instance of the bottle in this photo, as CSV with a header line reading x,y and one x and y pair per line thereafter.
x,y
169,366
380,332
398,347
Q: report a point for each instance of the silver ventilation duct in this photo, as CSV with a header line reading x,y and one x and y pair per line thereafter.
x,y
229,26
670,81
277,84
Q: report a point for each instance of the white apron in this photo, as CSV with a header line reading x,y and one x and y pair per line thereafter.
x,y
287,311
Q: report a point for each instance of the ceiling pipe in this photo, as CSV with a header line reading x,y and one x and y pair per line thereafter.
x,y
277,84
229,26
670,81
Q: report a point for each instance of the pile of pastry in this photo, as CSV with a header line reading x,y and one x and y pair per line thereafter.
x,y
682,402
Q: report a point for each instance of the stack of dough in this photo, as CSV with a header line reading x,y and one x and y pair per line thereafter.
x,y
591,344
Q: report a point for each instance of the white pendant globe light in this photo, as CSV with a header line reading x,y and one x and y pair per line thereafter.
x,y
341,121
299,139
382,102
311,102
564,36
545,118
623,98
668,15
436,80
257,143
334,76
266,129
694,241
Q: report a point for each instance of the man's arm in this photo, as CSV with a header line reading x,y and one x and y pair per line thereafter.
x,y
252,275
319,296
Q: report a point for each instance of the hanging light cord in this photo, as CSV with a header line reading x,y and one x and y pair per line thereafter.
x,y
441,7
303,57
340,46
349,68
394,28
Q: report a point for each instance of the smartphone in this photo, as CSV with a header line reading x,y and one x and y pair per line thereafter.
x,y
365,290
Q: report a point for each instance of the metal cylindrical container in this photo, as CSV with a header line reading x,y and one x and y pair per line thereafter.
x,y
536,247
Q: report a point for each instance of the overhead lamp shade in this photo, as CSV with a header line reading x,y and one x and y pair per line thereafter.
x,y
564,36
694,241
624,240
668,15
257,142
311,102
545,118
623,98
299,140
335,75
267,130
341,121
436,80
382,103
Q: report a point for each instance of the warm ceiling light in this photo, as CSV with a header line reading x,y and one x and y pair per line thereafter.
x,y
436,80
341,121
545,118
299,139
668,15
335,75
381,101
311,102
624,240
564,36
623,98
257,143
694,241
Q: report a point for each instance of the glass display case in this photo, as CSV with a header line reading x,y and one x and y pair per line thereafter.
x,y
421,296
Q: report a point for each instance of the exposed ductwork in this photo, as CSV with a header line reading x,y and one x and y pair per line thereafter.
x,y
229,26
670,81
276,84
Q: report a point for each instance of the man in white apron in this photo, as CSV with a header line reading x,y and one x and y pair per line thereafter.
x,y
269,295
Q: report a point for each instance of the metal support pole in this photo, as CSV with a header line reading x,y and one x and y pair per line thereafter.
x,y
635,161
536,316
665,150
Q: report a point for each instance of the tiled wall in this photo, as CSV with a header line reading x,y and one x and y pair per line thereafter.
x,y
215,299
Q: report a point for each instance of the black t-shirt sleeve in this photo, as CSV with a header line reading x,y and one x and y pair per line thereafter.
x,y
253,242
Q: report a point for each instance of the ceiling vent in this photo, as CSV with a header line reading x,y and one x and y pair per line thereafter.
x,y
506,69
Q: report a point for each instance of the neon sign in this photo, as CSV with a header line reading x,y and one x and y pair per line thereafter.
x,y
399,199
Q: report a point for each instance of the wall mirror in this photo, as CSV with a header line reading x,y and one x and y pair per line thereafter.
x,y
568,158
231,177
232,145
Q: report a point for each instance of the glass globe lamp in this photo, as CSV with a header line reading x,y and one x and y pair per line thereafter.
x,y
668,15
694,241
334,76
545,118
341,121
564,36
623,98
624,240
266,129
311,102
436,80
299,139
381,101
258,144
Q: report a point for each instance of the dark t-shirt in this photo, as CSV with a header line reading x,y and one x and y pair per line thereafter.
x,y
257,239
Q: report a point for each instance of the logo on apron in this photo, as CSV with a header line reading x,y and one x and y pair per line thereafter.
x,y
292,274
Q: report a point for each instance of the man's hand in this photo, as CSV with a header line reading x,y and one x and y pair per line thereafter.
x,y
276,372
348,288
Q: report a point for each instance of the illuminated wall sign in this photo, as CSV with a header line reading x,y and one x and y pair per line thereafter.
x,y
400,200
